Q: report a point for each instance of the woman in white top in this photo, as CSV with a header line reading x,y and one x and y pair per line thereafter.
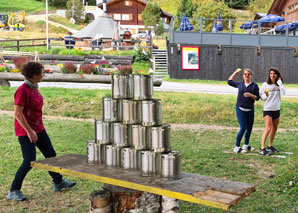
x,y
271,91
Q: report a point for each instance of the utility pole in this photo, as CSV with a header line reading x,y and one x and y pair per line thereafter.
x,y
47,24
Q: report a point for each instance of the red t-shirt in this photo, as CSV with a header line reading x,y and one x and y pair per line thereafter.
x,y
32,102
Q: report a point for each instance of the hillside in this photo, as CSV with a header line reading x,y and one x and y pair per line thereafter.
x,y
29,6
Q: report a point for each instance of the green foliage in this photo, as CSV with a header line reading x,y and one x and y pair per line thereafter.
x,y
159,29
78,11
30,6
187,7
141,55
151,15
210,9
237,4
57,3
260,6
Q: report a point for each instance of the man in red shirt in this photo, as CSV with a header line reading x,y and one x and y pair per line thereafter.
x,y
30,130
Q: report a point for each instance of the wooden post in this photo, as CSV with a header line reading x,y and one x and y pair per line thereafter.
x,y
18,45
36,57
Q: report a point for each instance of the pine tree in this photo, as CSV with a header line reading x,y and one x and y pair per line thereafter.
x,y
78,12
151,15
187,7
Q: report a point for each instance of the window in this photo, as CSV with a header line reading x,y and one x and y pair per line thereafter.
x,y
128,3
127,17
117,17
140,17
293,7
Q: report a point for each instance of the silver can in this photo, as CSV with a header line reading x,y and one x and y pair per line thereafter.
x,y
92,157
139,137
131,112
136,159
111,109
103,132
142,87
127,158
121,135
151,112
171,165
113,156
160,138
101,153
147,163
122,86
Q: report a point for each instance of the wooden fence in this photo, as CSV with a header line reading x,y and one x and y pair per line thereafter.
x,y
218,62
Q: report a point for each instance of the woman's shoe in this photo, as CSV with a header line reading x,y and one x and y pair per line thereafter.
x,y
16,195
65,184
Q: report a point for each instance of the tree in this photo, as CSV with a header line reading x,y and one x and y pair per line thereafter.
x,y
237,4
151,15
187,7
78,11
210,9
57,3
260,6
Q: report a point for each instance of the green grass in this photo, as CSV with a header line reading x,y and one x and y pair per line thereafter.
x,y
202,153
64,21
30,6
177,107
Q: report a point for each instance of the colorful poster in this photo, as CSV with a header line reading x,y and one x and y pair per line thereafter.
x,y
190,57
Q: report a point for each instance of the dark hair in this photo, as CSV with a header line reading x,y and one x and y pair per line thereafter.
x,y
32,68
275,70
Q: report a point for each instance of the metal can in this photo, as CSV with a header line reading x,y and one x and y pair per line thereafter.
x,y
92,157
147,168
122,86
103,132
151,112
113,156
171,165
131,111
142,87
160,138
139,137
111,109
121,137
101,153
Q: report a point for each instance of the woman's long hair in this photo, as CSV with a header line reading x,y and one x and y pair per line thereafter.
x,y
275,70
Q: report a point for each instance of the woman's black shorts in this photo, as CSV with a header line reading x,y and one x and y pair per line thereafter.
x,y
273,114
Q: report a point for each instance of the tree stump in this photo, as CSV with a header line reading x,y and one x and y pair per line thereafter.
x,y
4,83
100,201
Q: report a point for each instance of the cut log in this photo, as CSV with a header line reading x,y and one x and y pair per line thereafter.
x,y
57,77
100,202
4,83
129,200
115,57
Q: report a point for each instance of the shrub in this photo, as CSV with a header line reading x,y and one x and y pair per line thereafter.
x,y
69,67
19,61
141,55
87,68
125,69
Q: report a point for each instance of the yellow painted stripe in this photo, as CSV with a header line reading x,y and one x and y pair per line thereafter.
x,y
135,186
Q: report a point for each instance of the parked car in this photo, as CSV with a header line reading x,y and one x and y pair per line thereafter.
x,y
140,34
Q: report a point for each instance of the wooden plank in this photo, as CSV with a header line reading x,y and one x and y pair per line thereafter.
x,y
209,191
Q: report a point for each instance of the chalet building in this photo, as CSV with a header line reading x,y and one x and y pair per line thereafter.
x,y
129,13
285,8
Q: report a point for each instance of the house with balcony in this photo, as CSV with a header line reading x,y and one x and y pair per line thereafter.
x,y
129,13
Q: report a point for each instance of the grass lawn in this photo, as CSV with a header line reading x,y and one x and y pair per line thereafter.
x,y
30,6
176,107
202,153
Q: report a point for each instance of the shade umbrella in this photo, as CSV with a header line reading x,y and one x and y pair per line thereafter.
x,y
291,27
219,25
148,37
271,18
185,24
214,30
247,25
116,35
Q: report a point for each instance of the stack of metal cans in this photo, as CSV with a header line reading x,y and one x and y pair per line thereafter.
x,y
130,134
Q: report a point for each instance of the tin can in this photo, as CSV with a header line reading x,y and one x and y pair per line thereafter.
x,y
171,165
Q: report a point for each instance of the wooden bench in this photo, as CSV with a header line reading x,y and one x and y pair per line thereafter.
x,y
195,188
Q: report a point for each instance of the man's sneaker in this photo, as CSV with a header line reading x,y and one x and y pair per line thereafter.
x,y
271,149
248,148
264,152
16,195
239,150
65,184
